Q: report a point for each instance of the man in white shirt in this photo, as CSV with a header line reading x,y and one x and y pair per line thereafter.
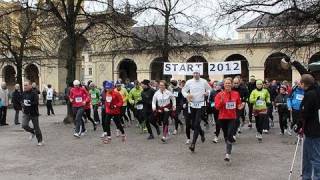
x,y
49,100
195,91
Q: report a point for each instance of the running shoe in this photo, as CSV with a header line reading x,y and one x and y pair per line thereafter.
x,y
163,139
227,158
103,135
150,137
286,131
192,147
107,140
250,125
77,135
188,141
215,139
175,132
203,139
40,144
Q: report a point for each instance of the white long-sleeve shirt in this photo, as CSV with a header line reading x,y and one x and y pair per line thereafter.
x,y
49,94
163,99
197,88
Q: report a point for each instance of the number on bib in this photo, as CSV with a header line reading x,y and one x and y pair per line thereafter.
x,y
299,97
78,99
93,96
139,106
26,102
196,105
231,105
175,94
212,104
108,99
260,103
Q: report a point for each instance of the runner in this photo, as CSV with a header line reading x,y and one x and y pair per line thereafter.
x,y
251,87
281,104
103,110
113,106
164,103
135,99
228,102
78,98
31,113
124,95
95,100
294,104
49,98
147,95
176,91
260,98
215,111
195,91
243,92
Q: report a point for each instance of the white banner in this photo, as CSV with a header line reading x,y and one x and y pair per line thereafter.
x,y
182,68
224,68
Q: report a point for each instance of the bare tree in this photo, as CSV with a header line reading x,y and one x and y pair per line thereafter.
x,y
295,22
18,35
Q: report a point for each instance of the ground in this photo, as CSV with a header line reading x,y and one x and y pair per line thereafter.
x,y
64,157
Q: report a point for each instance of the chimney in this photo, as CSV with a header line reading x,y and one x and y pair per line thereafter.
x,y
110,6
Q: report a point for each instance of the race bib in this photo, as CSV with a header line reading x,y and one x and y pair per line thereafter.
x,y
162,101
140,106
231,105
78,99
108,99
175,94
260,103
299,97
212,104
26,102
197,105
93,96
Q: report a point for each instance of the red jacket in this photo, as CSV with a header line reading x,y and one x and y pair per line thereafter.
x,y
113,103
78,96
227,104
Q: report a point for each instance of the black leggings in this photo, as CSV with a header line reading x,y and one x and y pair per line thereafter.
x,y
283,118
176,118
123,114
188,122
164,118
227,126
116,120
196,122
216,120
87,114
95,113
103,120
150,119
261,119
296,117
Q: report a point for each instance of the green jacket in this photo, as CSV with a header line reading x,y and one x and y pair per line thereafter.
x,y
95,96
135,95
259,99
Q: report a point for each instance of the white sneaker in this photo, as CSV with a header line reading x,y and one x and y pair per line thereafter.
x,y
259,136
215,139
286,131
234,137
40,144
76,135
174,132
227,157
103,135
265,131
188,141
83,133
31,136
117,133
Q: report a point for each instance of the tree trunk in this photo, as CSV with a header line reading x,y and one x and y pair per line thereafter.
x,y
71,67
19,75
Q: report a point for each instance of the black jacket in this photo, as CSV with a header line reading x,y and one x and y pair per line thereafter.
x,y
17,100
243,92
179,98
251,86
30,103
146,96
310,106
282,100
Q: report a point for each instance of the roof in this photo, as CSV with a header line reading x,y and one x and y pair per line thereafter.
x,y
155,33
286,18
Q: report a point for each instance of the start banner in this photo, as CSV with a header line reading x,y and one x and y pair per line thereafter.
x,y
224,68
182,68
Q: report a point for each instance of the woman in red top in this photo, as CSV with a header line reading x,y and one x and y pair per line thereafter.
x,y
113,104
78,98
227,102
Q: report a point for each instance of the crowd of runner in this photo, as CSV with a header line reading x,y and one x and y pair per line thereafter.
x,y
186,104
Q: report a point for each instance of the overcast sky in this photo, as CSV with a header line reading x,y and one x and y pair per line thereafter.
x,y
204,10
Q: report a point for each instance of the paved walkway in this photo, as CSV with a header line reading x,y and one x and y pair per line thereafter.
x,y
64,157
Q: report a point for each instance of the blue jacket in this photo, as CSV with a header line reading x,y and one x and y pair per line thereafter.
x,y
295,99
